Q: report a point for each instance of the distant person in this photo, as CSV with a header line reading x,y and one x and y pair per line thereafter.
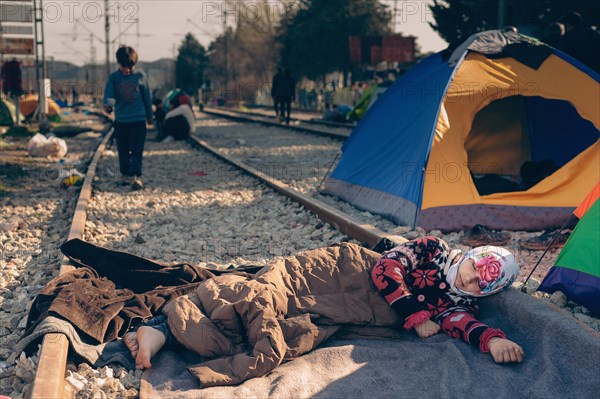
x,y
580,41
179,121
302,98
74,96
128,93
276,93
159,118
336,113
554,34
12,78
288,93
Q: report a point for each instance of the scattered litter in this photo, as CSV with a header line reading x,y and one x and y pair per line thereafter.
x,y
13,224
40,146
139,240
481,235
70,178
200,173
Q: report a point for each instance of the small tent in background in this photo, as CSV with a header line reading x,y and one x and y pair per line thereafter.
x,y
29,104
7,112
498,105
577,269
367,100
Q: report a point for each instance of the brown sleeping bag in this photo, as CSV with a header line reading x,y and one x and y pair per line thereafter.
x,y
249,326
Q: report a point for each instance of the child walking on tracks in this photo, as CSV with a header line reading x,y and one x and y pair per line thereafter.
x,y
128,93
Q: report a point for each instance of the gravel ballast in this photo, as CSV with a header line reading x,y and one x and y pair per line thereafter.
x,y
194,208
35,220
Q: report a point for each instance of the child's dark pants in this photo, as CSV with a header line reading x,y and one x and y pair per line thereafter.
x,y
131,137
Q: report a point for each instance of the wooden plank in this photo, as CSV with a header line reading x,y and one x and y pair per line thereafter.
x,y
50,375
345,223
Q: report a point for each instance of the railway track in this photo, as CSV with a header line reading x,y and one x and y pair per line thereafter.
x,y
189,191
302,126
313,121
50,375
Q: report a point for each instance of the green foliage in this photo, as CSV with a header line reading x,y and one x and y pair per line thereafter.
x,y
456,20
315,40
190,65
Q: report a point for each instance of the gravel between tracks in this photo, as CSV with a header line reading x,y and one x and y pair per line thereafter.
x,y
35,220
194,209
303,160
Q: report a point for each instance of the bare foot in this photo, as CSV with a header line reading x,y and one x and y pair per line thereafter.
x,y
130,341
150,341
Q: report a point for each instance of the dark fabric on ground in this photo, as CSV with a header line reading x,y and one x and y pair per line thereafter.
x,y
178,127
96,307
560,361
130,271
112,291
69,130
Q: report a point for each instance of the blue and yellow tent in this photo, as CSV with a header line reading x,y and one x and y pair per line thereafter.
x,y
413,155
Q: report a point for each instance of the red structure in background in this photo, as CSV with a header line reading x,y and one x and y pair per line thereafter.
x,y
376,49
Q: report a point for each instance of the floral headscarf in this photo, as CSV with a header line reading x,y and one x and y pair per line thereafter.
x,y
496,267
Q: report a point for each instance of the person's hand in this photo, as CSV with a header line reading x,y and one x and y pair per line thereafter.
x,y
427,329
150,122
505,351
108,109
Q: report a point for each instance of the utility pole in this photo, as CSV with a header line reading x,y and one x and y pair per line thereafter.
x,y
107,37
395,17
40,59
225,50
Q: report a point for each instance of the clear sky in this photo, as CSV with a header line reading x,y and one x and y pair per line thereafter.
x,y
163,23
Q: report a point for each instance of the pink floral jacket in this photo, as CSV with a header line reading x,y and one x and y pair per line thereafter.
x,y
411,279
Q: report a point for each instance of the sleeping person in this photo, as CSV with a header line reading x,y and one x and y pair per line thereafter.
x,y
245,326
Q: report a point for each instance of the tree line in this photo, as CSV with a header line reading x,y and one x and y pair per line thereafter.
x,y
310,37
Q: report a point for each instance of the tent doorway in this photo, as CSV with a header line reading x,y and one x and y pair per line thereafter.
x,y
516,142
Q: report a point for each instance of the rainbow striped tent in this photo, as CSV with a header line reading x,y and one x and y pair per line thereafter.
x,y
577,269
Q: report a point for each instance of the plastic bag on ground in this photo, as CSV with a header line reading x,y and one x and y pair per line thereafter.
x,y
40,146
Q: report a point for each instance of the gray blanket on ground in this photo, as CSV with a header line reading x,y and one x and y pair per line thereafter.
x,y
561,361
113,352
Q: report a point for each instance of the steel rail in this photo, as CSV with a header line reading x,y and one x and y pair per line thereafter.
x,y
341,221
49,379
264,120
309,121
